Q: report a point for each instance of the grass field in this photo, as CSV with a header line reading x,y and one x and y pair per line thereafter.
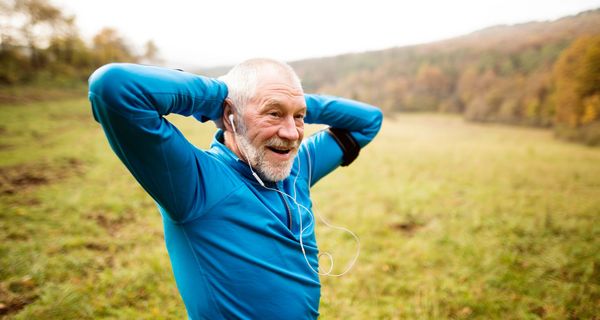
x,y
456,220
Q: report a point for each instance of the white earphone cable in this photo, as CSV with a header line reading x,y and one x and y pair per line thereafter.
x,y
310,213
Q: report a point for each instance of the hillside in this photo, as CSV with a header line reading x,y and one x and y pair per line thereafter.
x,y
500,74
503,73
391,78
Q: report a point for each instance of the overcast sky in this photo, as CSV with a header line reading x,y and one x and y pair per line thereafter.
x,y
208,33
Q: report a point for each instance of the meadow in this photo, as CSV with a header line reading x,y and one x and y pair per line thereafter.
x,y
457,221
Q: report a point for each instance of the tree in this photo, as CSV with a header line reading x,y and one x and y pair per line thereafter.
x,y
40,20
577,82
109,46
27,28
577,95
39,44
151,54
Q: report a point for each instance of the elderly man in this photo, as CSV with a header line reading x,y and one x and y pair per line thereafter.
x,y
237,220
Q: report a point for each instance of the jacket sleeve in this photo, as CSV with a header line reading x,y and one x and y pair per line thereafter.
x,y
129,101
363,121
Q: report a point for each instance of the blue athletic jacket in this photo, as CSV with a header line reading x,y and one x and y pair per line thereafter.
x,y
233,244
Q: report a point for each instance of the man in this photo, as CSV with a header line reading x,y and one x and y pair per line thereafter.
x,y
231,230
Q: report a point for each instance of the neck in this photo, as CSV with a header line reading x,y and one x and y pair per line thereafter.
x,y
232,145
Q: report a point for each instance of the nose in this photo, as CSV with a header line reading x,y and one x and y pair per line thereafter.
x,y
288,129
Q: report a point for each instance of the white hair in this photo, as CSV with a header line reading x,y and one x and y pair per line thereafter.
x,y
242,80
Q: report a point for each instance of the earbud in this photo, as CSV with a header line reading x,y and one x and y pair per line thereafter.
x,y
231,122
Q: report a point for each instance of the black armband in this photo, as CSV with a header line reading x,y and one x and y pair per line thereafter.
x,y
347,143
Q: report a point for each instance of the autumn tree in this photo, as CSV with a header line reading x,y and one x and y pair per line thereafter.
x,y
40,20
431,87
26,26
39,44
109,46
577,82
151,54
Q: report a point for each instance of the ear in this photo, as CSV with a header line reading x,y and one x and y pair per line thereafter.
x,y
227,110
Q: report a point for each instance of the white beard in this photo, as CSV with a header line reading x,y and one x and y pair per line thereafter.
x,y
256,158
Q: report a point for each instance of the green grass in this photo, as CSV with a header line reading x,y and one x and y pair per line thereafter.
x,y
456,220
56,90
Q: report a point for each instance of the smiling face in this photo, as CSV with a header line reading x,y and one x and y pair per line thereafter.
x,y
272,125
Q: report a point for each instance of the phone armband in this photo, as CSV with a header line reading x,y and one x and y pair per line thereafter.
x,y
347,143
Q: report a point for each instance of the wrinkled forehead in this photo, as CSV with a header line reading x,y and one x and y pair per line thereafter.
x,y
275,84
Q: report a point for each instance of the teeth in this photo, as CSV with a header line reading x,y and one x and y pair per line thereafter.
x,y
279,150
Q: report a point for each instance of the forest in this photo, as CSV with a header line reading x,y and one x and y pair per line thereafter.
x,y
536,74
43,53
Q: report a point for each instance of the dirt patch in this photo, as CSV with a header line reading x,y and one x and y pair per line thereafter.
x,y
540,311
96,246
26,201
15,304
19,178
17,295
17,236
407,227
111,224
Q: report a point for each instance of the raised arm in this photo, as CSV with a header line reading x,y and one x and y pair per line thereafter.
x,y
359,123
129,101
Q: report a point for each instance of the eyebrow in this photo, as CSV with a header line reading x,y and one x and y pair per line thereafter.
x,y
277,103
271,103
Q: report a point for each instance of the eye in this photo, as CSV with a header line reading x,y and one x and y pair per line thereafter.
x,y
274,114
299,116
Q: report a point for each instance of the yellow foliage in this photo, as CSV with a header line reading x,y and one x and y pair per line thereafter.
x,y
591,109
577,82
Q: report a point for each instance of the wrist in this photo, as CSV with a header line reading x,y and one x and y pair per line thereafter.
x,y
312,108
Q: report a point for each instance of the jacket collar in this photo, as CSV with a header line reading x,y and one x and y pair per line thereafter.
x,y
219,148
